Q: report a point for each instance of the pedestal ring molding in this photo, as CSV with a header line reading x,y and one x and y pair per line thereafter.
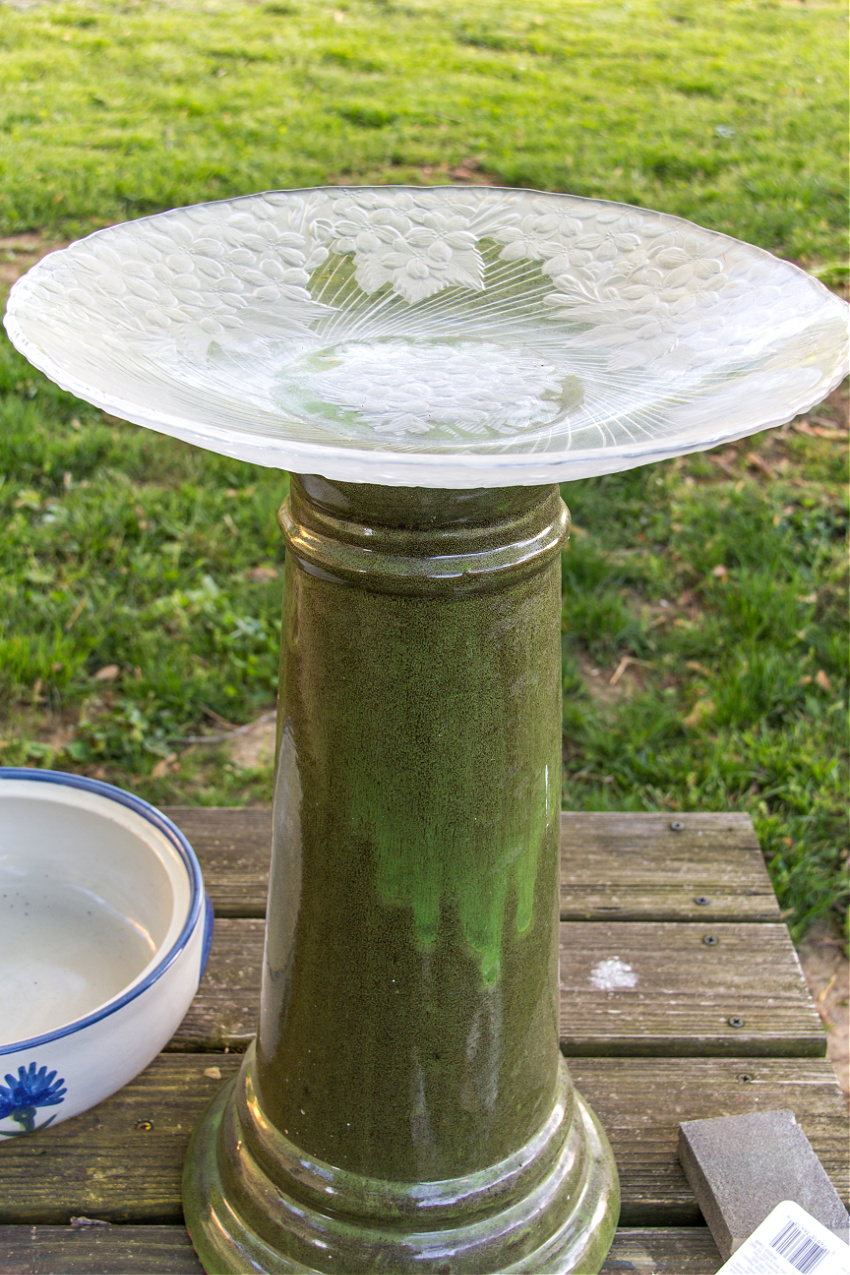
x,y
467,559
263,1202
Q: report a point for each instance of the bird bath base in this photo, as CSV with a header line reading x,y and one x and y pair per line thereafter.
x,y
257,1203
406,1107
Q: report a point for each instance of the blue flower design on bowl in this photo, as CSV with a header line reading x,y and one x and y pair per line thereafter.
x,y
132,951
21,1098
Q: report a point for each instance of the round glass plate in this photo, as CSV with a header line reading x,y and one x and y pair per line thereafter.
x,y
433,337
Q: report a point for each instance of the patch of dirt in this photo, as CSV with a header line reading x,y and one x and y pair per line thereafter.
x,y
469,172
827,973
612,684
42,724
19,252
59,735
252,747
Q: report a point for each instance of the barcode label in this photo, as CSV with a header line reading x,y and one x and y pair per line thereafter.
x,y
799,1248
790,1242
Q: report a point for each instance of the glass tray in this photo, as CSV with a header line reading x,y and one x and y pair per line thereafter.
x,y
436,337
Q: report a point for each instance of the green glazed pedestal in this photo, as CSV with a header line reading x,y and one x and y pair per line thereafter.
x,y
406,1107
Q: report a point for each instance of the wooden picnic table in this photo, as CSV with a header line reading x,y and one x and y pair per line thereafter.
x,y
717,1021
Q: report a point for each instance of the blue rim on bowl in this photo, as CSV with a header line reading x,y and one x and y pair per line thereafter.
x,y
199,897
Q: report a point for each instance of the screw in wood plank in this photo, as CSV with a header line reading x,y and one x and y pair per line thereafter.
x,y
745,1078
144,1125
701,901
735,1021
710,940
677,825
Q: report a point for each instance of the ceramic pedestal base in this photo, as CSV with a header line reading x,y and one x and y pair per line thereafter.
x,y
256,1203
406,1107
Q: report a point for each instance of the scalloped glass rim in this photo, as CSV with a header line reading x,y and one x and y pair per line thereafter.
x,y
508,325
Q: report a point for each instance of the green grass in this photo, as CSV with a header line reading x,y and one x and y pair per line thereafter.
x,y
705,636
729,597
127,551
733,114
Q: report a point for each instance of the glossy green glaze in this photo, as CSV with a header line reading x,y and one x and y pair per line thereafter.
x,y
406,1107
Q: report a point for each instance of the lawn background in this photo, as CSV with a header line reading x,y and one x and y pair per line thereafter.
x,y
705,635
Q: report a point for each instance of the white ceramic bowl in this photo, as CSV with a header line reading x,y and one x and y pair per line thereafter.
x,y
104,933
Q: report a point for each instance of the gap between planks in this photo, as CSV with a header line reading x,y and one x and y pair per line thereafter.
x,y
637,988
613,866
122,1161
167,1250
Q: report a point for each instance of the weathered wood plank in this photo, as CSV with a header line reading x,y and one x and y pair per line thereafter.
x,y
632,867
641,1102
662,1251
613,866
97,1250
672,988
686,994
122,1161
223,1014
233,845
166,1250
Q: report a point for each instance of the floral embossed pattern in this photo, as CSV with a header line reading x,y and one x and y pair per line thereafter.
x,y
444,336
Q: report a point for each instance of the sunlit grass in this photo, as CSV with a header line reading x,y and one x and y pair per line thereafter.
x,y
731,114
705,653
